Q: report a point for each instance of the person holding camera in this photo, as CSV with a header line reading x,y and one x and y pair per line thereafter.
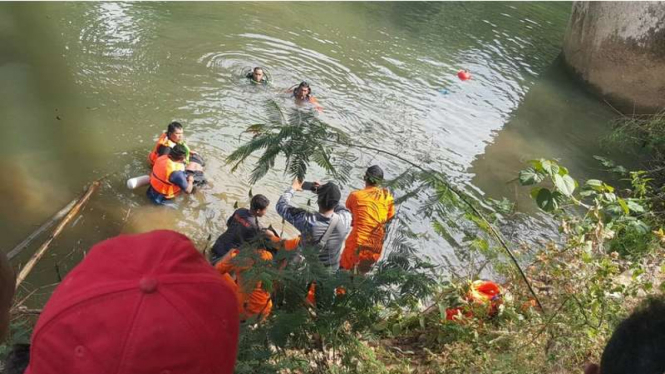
x,y
326,228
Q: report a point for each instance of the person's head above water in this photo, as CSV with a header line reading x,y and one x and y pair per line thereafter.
x,y
637,344
257,74
146,303
175,132
7,285
303,91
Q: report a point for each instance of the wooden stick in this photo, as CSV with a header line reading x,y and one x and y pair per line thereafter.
x,y
40,252
22,245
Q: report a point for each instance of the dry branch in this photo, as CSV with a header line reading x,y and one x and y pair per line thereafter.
x,y
42,250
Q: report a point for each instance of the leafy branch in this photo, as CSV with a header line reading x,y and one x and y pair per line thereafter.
x,y
302,139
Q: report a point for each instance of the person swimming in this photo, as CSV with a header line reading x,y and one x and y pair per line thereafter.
x,y
257,76
303,93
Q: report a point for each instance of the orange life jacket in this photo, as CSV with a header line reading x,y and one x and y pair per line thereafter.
x,y
163,140
161,172
251,301
481,292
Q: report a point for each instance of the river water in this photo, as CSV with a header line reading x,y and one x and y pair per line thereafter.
x,y
87,88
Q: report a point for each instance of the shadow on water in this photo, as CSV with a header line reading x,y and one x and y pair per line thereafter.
x,y
557,119
49,152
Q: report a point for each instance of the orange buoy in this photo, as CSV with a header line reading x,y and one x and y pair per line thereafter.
x,y
464,75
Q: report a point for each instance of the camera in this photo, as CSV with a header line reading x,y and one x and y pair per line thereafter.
x,y
310,186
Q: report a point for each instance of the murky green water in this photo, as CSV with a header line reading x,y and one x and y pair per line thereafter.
x,y
87,87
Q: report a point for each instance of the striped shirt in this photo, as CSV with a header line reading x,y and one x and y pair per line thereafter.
x,y
312,226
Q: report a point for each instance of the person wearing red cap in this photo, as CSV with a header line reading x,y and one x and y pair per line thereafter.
x,y
139,304
371,208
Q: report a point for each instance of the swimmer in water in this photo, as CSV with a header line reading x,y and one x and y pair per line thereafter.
x,y
257,76
303,94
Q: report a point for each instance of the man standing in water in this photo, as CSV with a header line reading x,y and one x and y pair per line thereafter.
x,y
175,134
242,225
371,208
168,177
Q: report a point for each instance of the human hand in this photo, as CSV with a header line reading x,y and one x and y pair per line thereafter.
x,y
297,185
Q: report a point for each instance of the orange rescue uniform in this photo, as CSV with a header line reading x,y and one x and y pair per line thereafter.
x,y
163,140
371,208
250,303
161,172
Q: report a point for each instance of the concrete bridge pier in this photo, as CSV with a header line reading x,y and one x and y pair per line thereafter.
x,y
618,49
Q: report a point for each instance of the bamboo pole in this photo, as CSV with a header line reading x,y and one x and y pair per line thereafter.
x,y
42,250
22,245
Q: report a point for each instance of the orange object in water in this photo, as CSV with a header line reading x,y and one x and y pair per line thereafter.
x,y
163,140
161,172
464,75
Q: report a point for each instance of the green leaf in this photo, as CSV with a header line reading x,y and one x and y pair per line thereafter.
x,y
623,205
550,167
634,206
530,176
619,170
605,161
595,184
546,200
639,226
565,184
563,170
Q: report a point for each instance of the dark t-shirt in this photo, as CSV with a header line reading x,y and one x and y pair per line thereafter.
x,y
240,227
179,178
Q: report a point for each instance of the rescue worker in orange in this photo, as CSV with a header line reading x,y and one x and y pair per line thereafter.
x,y
371,208
174,135
168,177
253,299
193,161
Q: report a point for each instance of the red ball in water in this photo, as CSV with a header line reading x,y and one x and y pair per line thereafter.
x,y
464,75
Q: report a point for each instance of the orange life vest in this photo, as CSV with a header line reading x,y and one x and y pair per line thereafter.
x,y
485,293
161,172
163,140
252,301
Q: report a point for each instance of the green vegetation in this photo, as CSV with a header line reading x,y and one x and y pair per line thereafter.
x,y
605,260
561,298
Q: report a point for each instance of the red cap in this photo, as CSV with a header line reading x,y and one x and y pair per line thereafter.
x,y
138,304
